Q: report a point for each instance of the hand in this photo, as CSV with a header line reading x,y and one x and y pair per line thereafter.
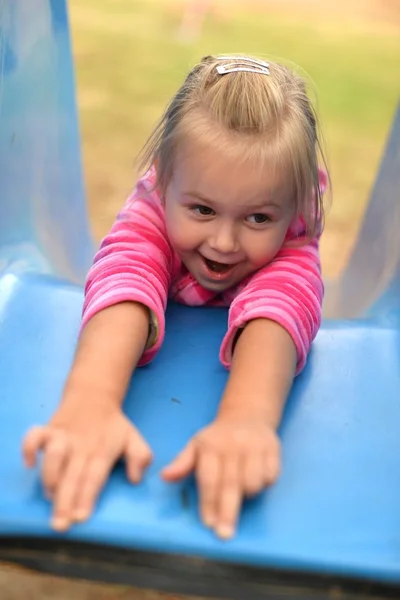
x,y
233,458
81,444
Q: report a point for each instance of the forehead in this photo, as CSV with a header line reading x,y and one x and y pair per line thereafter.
x,y
225,171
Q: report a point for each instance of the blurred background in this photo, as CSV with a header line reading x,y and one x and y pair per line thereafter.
x,y
131,56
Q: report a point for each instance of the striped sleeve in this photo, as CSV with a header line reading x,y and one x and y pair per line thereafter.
x,y
133,263
289,290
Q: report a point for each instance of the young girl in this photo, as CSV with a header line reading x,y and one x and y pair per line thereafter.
x,y
228,213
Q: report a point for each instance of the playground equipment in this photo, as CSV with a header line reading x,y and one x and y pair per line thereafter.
x,y
332,523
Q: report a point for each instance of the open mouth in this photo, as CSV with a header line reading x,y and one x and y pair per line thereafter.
x,y
218,270
217,267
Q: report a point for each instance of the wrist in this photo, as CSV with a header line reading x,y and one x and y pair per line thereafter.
x,y
268,415
84,390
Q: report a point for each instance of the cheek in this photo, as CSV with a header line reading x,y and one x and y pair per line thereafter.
x,y
180,229
263,248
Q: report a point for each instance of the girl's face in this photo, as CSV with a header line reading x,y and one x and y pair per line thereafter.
x,y
225,218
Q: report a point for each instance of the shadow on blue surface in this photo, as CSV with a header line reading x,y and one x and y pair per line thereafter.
x,y
333,519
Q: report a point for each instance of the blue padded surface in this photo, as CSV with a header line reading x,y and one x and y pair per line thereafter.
x,y
336,506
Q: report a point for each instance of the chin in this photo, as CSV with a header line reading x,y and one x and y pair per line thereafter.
x,y
217,286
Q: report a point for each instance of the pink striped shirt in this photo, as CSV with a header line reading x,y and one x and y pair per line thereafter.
x,y
137,263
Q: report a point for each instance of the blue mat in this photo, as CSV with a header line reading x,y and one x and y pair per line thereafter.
x,y
335,513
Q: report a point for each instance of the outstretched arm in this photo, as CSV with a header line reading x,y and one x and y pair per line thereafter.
x,y
123,325
271,326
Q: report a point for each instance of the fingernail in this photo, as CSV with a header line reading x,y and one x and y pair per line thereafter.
x,y
81,514
60,523
225,532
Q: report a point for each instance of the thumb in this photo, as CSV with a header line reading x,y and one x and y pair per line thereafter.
x,y
34,441
138,456
183,464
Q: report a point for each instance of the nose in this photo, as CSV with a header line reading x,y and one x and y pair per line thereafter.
x,y
224,239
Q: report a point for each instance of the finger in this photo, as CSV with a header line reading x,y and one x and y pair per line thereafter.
x,y
96,474
138,457
183,464
54,462
253,476
33,442
208,474
272,468
230,498
67,492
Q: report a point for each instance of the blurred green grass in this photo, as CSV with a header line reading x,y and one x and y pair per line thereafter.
x,y
130,60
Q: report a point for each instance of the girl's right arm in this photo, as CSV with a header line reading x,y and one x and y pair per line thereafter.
x,y
123,325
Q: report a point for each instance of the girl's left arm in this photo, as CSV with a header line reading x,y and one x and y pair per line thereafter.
x,y
272,323
262,372
289,291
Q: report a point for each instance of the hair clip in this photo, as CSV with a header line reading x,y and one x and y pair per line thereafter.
x,y
242,64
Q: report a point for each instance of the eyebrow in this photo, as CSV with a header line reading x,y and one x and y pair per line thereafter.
x,y
267,203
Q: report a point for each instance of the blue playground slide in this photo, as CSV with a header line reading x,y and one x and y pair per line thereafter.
x,y
330,528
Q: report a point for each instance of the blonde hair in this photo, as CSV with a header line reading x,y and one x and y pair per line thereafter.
x,y
269,115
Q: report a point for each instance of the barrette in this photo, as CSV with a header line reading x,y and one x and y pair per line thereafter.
x,y
242,64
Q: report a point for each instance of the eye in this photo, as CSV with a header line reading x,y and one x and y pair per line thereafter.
x,y
259,219
202,211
